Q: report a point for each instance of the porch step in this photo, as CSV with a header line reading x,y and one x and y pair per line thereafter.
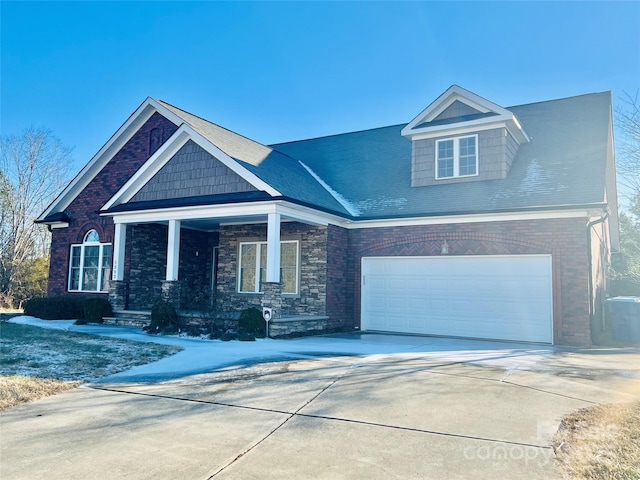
x,y
129,318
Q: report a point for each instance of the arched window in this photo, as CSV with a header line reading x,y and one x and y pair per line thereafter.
x,y
90,264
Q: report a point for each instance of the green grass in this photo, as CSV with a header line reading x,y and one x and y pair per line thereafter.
x,y
43,355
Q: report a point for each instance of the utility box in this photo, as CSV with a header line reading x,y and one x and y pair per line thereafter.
x,y
624,316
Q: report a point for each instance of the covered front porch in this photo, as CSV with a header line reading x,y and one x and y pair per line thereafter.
x,y
213,262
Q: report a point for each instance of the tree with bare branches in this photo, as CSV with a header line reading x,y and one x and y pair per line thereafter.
x,y
628,155
34,167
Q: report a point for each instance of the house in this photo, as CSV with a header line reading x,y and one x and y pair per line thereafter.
x,y
472,220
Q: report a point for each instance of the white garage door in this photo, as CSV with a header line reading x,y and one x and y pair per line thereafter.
x,y
500,297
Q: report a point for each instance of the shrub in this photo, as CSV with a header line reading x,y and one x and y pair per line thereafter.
x,y
55,308
95,309
251,322
164,319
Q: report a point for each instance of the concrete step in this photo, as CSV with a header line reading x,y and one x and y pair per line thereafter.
x,y
130,318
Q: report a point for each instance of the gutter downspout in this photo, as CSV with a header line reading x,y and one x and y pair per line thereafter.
x,y
590,225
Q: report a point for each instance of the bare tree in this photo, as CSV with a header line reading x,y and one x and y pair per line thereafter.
x,y
628,155
34,167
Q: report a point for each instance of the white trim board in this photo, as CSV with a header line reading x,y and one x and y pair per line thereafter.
x,y
166,152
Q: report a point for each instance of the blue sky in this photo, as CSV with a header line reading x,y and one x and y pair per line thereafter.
x,y
278,71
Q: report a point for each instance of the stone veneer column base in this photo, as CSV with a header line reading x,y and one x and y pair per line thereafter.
x,y
171,292
118,294
272,298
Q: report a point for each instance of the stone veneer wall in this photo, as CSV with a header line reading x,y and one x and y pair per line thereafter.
x,y
564,239
148,258
195,270
312,296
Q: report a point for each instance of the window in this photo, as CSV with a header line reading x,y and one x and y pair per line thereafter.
x,y
457,157
252,266
90,265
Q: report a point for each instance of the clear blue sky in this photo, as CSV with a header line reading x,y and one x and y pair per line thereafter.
x,y
277,71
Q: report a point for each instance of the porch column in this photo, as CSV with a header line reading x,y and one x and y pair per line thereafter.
x,y
173,250
273,248
119,241
117,288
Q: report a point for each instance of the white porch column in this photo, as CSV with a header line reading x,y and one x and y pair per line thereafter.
x,y
273,248
173,250
119,241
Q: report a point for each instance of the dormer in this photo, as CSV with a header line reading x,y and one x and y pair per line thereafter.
x,y
462,137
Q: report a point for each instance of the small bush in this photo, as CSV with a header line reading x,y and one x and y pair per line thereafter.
x,y
95,309
227,336
251,322
164,319
55,308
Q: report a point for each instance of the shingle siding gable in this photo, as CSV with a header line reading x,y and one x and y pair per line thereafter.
x,y
456,109
192,172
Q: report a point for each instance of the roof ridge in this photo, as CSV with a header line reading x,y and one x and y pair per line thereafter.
x,y
212,123
560,99
335,135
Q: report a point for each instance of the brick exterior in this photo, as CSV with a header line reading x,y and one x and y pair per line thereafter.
x,y
330,257
564,239
83,209
339,282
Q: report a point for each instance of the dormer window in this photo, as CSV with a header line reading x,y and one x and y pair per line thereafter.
x,y
457,157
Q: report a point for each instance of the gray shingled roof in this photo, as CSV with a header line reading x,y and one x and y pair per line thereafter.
x,y
563,165
285,174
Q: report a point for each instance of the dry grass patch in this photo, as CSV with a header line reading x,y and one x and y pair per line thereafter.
x,y
601,442
37,362
17,389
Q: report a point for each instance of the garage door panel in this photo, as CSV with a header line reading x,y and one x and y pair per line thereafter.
x,y
501,297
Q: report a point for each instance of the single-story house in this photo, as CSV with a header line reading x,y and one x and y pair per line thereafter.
x,y
472,220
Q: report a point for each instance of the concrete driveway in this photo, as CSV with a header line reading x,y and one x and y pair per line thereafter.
x,y
364,406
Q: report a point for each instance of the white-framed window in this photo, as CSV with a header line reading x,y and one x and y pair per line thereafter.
x,y
457,157
252,266
90,264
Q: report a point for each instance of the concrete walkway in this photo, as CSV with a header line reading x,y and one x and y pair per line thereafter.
x,y
352,406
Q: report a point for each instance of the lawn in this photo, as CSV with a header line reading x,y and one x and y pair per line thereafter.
x,y
600,443
36,362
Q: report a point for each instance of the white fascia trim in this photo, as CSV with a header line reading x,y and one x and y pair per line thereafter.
x,y
475,218
475,101
166,152
452,94
232,211
105,154
293,212
58,224
445,131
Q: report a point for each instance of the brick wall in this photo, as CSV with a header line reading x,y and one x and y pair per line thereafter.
x,y
339,280
564,239
109,180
